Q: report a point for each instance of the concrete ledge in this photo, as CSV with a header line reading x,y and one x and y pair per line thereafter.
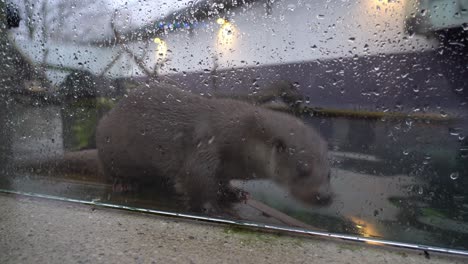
x,y
43,231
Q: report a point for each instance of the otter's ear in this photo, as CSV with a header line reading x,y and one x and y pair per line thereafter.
x,y
279,145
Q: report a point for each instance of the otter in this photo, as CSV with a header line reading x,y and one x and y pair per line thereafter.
x,y
159,132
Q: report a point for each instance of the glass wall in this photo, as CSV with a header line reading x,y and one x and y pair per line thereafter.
x,y
347,117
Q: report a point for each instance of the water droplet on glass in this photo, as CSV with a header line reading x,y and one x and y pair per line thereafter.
x,y
454,131
465,26
454,175
291,7
211,140
420,190
426,160
459,89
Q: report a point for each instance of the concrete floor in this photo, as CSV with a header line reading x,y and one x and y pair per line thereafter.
x,y
43,231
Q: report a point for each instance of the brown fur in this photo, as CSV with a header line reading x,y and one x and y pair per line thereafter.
x,y
159,132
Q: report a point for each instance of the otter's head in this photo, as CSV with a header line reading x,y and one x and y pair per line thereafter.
x,y
297,159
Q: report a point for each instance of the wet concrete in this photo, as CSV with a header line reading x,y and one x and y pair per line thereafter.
x,y
42,231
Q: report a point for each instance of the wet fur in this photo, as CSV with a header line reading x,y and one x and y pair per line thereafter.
x,y
198,145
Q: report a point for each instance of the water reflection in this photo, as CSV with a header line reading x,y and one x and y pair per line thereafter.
x,y
365,229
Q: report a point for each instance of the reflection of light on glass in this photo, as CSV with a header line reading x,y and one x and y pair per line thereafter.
x,y
365,229
221,21
161,49
157,40
226,35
